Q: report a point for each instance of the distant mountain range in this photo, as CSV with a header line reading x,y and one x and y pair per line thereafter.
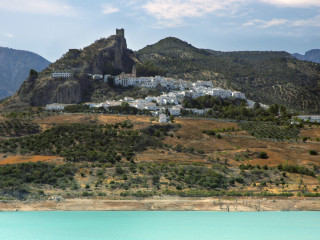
x,y
312,56
14,68
266,77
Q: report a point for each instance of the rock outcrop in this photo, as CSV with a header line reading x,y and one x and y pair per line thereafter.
x,y
105,56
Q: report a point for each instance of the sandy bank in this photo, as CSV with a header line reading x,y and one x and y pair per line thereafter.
x,y
173,204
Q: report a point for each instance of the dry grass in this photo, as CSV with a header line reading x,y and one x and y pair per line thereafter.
x,y
49,122
312,132
28,159
163,156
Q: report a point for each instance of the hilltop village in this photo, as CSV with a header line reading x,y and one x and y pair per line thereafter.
x,y
171,100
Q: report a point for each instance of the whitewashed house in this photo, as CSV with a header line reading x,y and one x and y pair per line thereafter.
x,y
237,94
97,76
310,118
163,118
197,111
63,74
150,106
175,111
128,99
55,107
93,105
150,99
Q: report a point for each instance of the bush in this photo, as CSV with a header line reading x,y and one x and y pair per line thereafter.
x,y
263,155
313,152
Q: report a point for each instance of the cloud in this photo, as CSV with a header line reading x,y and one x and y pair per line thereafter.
x,y
172,12
265,24
9,35
310,22
44,7
294,3
108,9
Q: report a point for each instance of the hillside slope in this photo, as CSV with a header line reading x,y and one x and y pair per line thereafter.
x,y
105,56
312,56
14,68
268,77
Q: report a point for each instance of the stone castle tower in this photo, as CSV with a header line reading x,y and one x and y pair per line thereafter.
x,y
120,32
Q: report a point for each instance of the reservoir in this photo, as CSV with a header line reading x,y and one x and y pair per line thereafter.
x,y
159,225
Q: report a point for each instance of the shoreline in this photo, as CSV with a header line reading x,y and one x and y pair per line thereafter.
x,y
166,204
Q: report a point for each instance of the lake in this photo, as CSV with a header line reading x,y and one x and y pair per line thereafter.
x,y
159,225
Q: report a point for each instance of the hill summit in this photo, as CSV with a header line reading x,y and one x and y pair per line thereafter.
x,y
264,76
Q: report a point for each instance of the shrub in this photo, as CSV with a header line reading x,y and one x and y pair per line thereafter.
x,y
263,155
313,152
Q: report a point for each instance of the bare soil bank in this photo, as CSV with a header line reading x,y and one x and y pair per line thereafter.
x,y
166,204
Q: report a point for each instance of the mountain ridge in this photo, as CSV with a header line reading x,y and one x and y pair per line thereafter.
x,y
15,66
312,55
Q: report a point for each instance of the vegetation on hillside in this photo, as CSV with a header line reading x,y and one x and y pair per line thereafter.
x,y
79,142
271,130
17,127
235,109
267,77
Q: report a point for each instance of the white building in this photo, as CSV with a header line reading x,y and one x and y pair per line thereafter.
x,y
203,84
55,107
163,118
175,111
150,99
61,74
240,95
94,105
310,118
150,106
97,76
128,99
250,103
219,92
197,111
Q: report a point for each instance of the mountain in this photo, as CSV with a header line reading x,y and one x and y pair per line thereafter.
x,y
14,68
267,77
104,56
312,56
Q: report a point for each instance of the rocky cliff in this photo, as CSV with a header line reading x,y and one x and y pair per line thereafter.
x,y
105,56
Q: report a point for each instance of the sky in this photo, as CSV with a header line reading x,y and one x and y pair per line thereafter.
x,y
50,27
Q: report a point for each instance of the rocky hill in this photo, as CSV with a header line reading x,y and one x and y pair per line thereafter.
x,y
14,68
312,56
268,77
105,56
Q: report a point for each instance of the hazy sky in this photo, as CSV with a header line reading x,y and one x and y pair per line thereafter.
x,y
51,27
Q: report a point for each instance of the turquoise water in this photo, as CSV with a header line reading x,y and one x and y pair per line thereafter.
x,y
159,225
